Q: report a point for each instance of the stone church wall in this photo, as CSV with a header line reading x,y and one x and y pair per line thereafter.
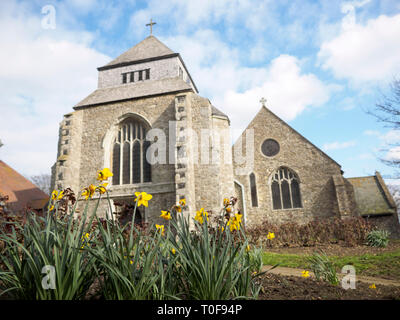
x,y
213,179
159,69
313,168
99,120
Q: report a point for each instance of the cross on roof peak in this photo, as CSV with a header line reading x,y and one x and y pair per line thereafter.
x,y
263,101
151,25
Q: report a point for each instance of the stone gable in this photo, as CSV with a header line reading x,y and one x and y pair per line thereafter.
x,y
313,168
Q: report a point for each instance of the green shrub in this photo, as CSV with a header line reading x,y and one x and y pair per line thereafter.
x,y
378,238
323,268
351,231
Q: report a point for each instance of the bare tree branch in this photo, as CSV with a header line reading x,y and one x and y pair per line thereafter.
x,y
42,181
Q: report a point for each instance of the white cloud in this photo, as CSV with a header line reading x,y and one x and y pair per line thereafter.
x,y
393,154
43,74
288,92
372,133
236,90
364,52
338,145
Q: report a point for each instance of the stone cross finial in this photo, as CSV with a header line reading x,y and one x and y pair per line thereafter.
x,y
151,25
263,101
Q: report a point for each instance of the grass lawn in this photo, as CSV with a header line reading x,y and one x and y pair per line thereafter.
x,y
383,265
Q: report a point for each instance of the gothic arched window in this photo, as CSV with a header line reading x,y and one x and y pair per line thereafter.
x,y
285,189
129,163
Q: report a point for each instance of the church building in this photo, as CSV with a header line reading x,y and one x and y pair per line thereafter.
x,y
147,122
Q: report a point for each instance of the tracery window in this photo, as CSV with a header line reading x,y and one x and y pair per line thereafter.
x,y
129,163
285,189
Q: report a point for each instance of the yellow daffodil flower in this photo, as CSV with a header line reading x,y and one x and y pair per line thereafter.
x,y
233,225
89,191
57,195
228,209
166,215
143,198
182,202
102,188
161,228
372,286
51,208
234,222
248,248
104,174
305,274
270,235
173,250
85,239
200,215
226,202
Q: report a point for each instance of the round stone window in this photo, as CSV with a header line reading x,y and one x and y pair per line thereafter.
x,y
270,147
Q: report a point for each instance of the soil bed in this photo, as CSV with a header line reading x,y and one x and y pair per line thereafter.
x,y
278,287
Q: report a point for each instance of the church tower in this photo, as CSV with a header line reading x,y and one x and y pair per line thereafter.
x,y
147,123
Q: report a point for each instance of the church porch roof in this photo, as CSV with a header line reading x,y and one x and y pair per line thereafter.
x,y
372,196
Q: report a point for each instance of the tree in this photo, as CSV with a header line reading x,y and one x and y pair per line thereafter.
x,y
387,111
43,182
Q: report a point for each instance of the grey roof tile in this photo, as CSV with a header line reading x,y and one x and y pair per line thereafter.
x,y
149,48
134,90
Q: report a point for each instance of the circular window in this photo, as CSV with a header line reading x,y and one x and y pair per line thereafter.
x,y
270,147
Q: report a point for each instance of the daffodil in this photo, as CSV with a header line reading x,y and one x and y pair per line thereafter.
x,y
233,225
234,222
89,191
173,250
161,228
270,235
372,286
57,195
85,239
102,188
166,215
305,274
182,202
226,202
200,215
104,174
228,209
143,198
248,248
51,208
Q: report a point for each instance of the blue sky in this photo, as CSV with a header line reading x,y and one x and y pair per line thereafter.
x,y
319,64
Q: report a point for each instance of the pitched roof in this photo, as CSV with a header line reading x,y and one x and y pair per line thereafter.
x,y
20,190
372,196
264,108
149,48
217,112
134,90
